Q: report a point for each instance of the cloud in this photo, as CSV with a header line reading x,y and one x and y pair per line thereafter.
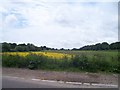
x,y
59,24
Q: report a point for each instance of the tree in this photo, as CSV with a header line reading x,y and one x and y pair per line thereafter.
x,y
62,49
31,47
74,49
105,46
21,44
13,45
114,46
97,46
19,48
5,47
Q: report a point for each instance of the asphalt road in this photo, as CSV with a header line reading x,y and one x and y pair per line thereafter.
x,y
12,82
17,82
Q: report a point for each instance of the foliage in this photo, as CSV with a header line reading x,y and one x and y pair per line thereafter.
x,y
102,46
13,47
48,54
89,61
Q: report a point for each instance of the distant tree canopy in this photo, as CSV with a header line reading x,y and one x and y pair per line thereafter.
x,y
13,47
102,46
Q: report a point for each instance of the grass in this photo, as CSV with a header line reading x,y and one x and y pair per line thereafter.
x,y
78,61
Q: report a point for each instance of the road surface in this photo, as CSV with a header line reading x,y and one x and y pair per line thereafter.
x,y
16,82
12,82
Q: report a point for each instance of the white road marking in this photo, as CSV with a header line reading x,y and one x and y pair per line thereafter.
x,y
36,79
105,85
43,80
61,81
15,77
86,83
77,83
49,80
74,83
11,77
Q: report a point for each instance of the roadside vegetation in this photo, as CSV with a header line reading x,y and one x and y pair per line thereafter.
x,y
101,57
86,61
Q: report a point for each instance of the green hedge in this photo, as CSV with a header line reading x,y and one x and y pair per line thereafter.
x,y
96,63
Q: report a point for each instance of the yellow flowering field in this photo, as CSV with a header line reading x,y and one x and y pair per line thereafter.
x,y
16,53
49,54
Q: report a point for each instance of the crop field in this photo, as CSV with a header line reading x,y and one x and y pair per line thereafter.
x,y
105,55
113,53
87,61
48,54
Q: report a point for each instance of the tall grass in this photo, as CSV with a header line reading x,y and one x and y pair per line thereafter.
x,y
95,62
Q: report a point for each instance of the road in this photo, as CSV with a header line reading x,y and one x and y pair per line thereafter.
x,y
12,82
19,83
16,82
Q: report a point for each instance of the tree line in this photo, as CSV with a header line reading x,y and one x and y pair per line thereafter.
x,y
13,47
102,46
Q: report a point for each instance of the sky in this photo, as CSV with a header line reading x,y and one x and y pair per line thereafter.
x,y
59,23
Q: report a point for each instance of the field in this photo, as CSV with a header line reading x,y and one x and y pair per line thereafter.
x,y
48,54
76,61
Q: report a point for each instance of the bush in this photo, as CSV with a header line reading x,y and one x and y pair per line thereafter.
x,y
81,62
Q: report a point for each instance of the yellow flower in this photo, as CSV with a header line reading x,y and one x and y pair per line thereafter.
x,y
48,54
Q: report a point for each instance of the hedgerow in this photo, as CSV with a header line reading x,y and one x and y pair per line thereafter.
x,y
97,63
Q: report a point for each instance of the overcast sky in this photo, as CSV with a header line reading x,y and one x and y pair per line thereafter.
x,y
59,24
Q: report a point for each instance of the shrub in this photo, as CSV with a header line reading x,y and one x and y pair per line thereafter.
x,y
80,62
